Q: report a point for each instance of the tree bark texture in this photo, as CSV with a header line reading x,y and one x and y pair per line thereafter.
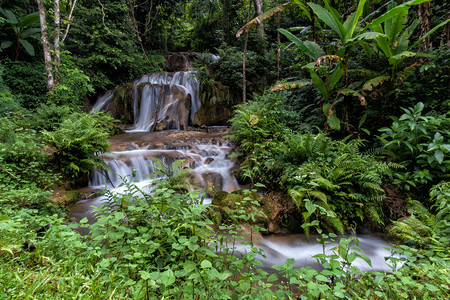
x,y
259,11
56,35
424,11
46,46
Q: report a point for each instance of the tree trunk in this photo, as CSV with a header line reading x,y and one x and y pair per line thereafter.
x,y
46,46
424,10
259,11
278,46
244,79
56,35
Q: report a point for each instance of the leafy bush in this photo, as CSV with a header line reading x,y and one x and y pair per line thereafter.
x,y
337,177
331,174
26,81
73,85
77,140
428,229
420,143
161,244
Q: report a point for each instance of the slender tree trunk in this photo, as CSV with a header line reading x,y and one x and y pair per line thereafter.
x,y
424,10
446,32
259,11
56,34
70,19
278,46
244,79
46,46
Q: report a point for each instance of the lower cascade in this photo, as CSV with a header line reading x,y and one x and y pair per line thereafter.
x,y
207,154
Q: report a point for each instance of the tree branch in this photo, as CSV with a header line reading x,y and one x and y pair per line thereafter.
x,y
70,21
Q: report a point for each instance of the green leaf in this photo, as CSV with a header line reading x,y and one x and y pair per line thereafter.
x,y
371,35
205,264
11,17
334,122
311,208
6,44
28,47
29,20
397,24
431,32
395,11
329,19
353,21
319,83
334,77
321,278
439,155
167,277
309,48
119,216
272,277
432,288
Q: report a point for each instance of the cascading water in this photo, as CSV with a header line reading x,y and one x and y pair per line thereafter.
x,y
205,153
161,101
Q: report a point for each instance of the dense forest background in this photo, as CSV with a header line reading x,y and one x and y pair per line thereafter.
x,y
340,107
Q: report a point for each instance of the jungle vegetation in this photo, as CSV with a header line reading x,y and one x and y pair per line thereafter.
x,y
341,106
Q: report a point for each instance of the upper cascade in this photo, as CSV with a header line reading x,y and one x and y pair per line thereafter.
x,y
159,101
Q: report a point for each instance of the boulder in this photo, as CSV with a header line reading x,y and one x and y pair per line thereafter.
x,y
214,113
179,61
275,213
212,180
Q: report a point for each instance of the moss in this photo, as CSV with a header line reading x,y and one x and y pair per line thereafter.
x,y
231,203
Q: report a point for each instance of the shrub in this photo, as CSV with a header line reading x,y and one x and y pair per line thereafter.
x,y
420,143
77,140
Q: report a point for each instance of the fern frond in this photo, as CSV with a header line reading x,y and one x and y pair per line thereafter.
x,y
372,212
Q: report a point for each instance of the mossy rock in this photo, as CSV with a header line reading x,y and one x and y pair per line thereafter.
x,y
235,207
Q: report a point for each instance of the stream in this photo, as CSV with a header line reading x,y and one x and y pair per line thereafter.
x,y
207,153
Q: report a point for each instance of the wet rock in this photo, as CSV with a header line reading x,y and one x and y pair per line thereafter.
x,y
212,181
213,114
209,160
275,213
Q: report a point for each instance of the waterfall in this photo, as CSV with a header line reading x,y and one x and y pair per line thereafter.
x,y
103,100
210,164
160,101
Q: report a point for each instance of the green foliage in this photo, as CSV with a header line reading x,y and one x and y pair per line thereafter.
x,y
73,85
77,140
104,46
26,81
8,104
50,116
334,176
337,178
23,31
160,244
420,143
176,174
260,70
386,36
428,229
25,169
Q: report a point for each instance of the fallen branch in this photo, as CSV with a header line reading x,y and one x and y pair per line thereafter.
x,y
9,173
